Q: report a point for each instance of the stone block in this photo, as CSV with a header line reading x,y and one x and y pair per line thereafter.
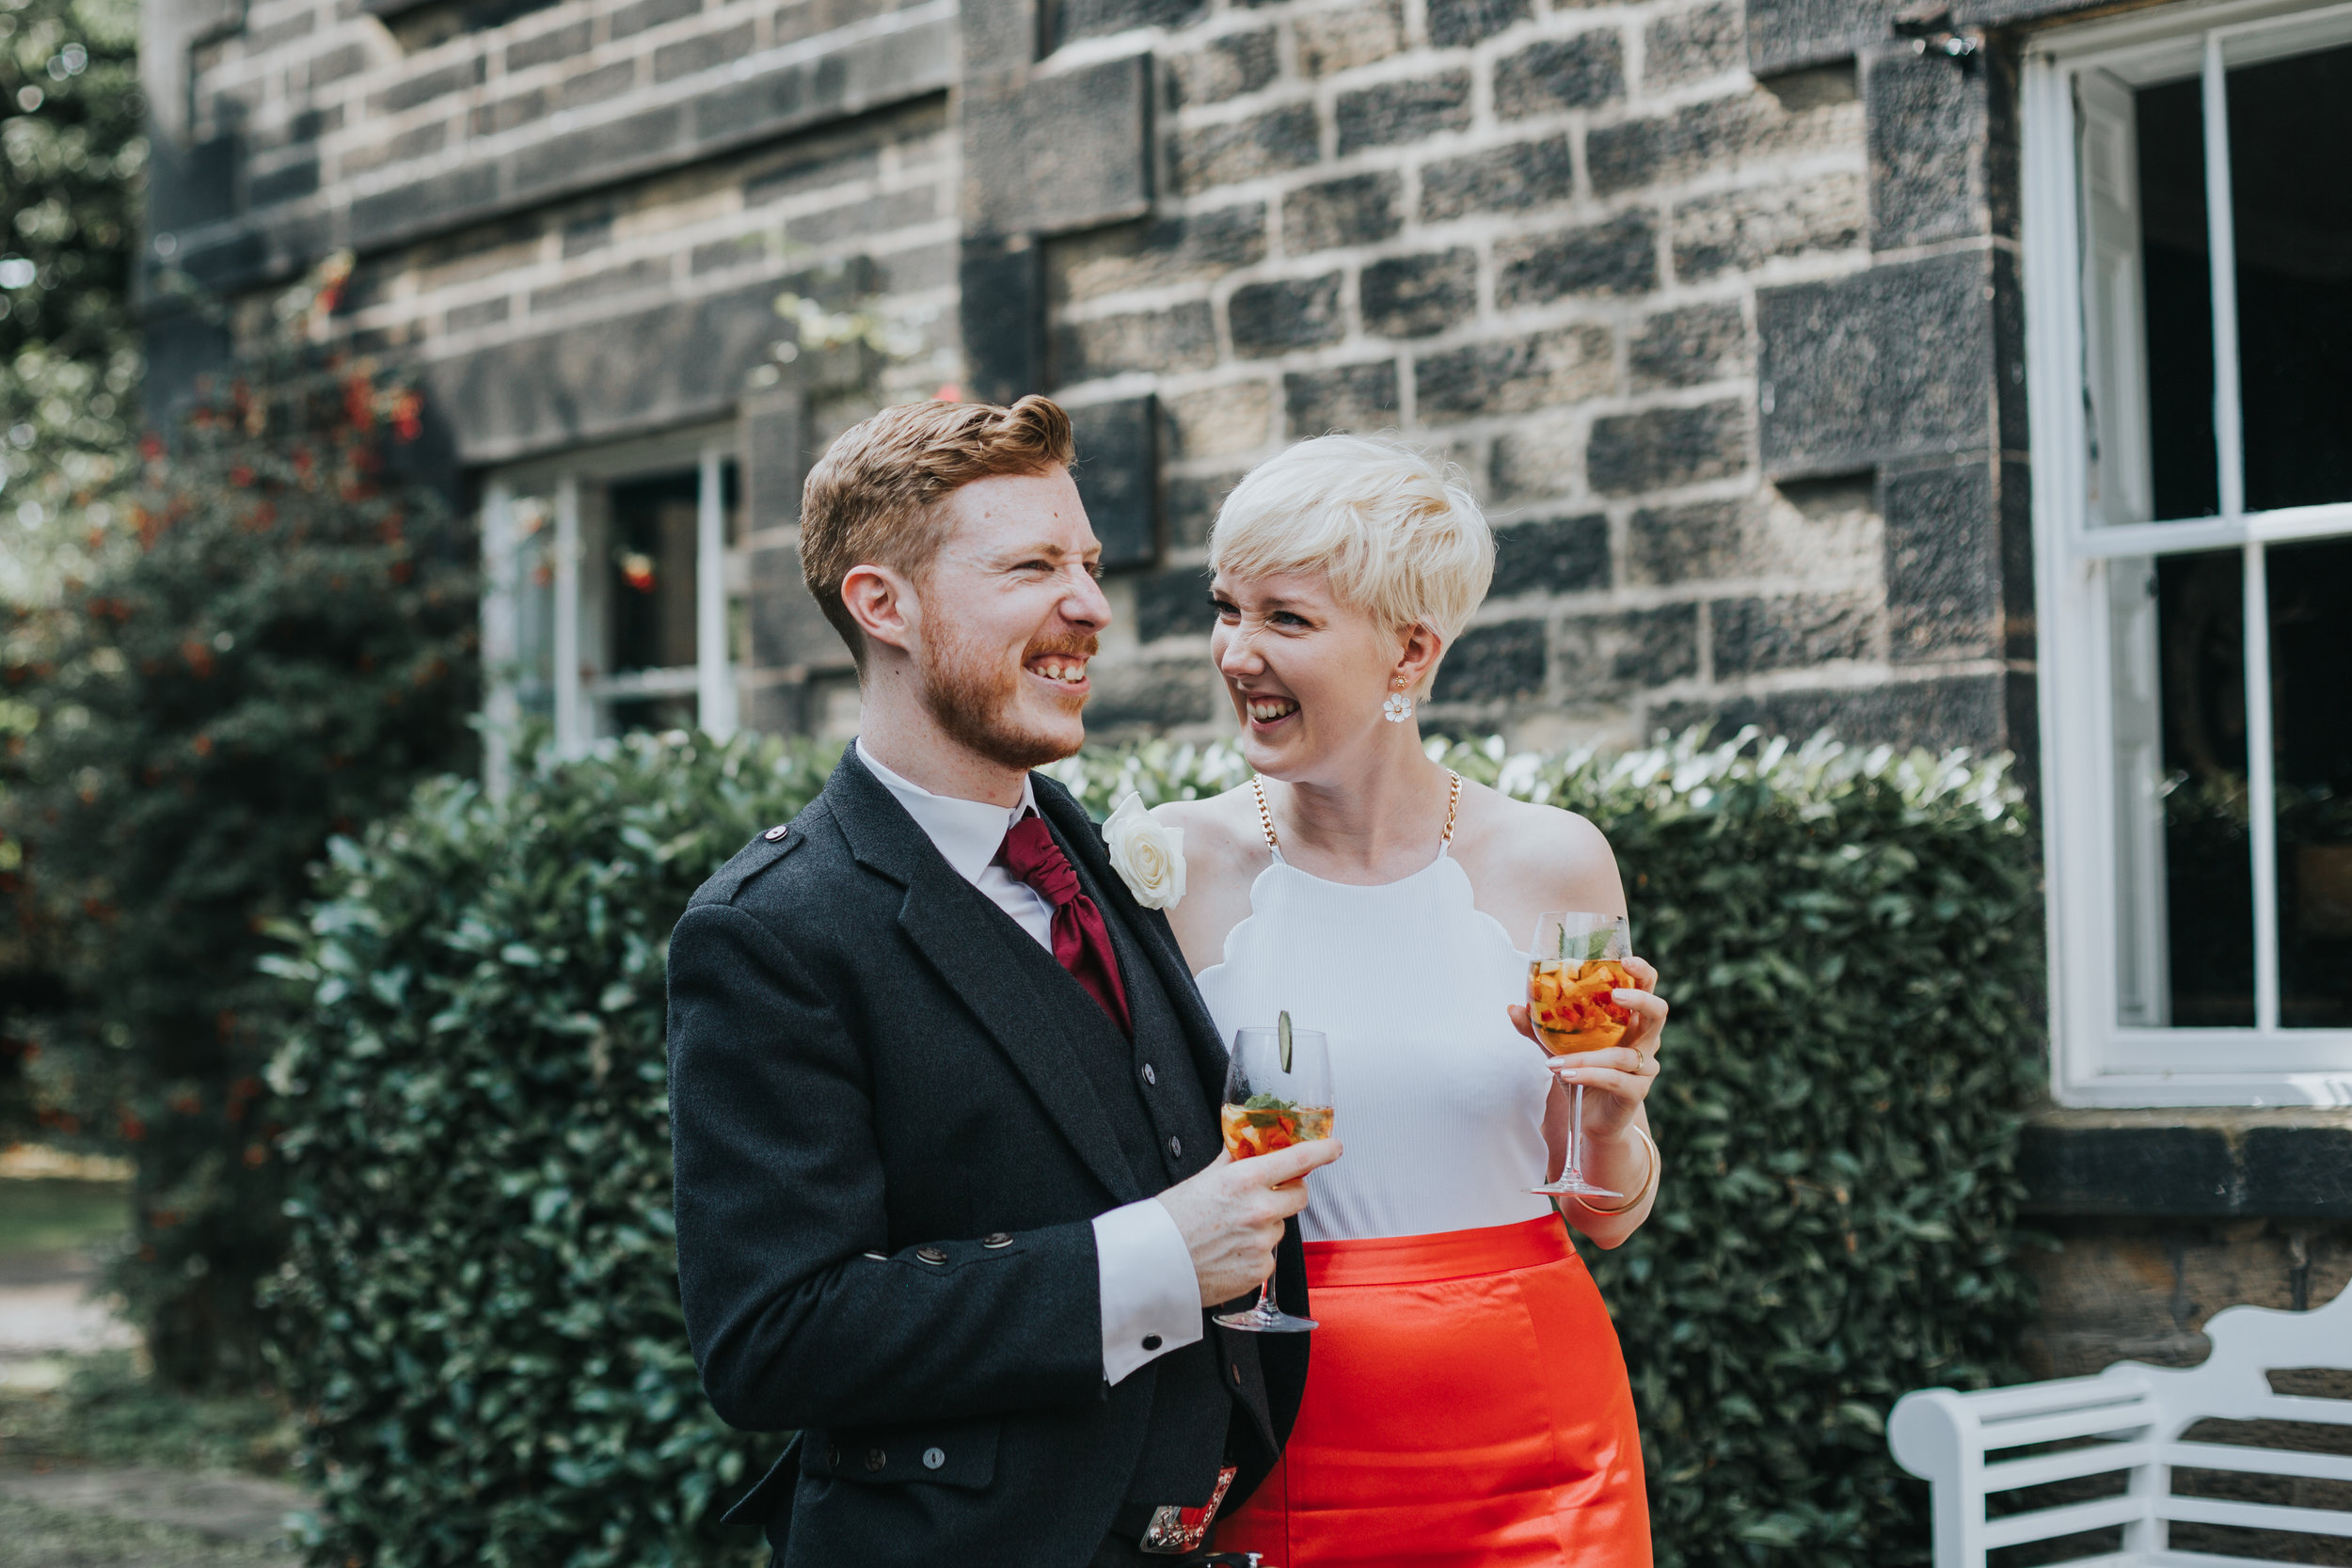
x,y
1511,377
1692,45
1146,695
997,35
1269,318
1413,296
1192,503
1562,555
2294,1172
1536,462
2127,1170
582,88
739,250
1207,156
1959,710
1180,337
1943,562
1051,153
334,65
1403,111
1350,397
1359,209
1224,68
829,162
652,272
1458,24
1846,378
1715,136
1579,73
468,318
1616,652
1333,42
702,52
441,198
1785,35
1174,603
428,85
504,114
1706,542
788,630
1154,253
560,164
1689,347
1220,422
1617,257
1753,636
1927,121
854,220
1118,477
1068,21
1001,285
1662,446
286,183
1494,662
1738,230
556,44
1505,179
635,18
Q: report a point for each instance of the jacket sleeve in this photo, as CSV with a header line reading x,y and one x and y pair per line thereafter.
x,y
795,1321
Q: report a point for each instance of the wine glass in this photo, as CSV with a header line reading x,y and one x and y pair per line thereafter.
x,y
1278,1092
1574,962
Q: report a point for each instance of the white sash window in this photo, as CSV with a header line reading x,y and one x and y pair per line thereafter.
x,y
2188,257
606,604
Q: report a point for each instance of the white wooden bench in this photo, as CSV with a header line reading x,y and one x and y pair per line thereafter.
x,y
2129,1419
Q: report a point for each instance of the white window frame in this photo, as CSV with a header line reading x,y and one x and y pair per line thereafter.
x,y
2096,1059
580,688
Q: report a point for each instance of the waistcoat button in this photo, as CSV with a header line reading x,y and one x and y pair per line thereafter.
x,y
1175,1149
1150,1078
995,1239
934,1458
931,1254
876,1459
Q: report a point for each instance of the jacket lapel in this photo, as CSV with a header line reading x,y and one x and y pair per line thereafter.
x,y
968,941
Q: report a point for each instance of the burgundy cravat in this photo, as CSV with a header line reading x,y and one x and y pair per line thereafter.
x,y
1082,944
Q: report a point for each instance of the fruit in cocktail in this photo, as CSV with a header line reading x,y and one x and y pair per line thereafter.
x,y
1568,1002
1263,1123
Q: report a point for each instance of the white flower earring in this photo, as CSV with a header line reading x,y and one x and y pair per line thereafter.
x,y
1399,707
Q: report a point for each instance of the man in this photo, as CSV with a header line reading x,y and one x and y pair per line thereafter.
x,y
951,1194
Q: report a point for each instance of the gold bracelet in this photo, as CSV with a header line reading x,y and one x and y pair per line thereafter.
x,y
1649,1181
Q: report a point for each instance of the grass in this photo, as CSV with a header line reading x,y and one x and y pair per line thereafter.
x,y
106,1414
61,1214
37,1536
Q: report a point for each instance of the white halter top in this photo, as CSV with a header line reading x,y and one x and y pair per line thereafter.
x,y
1439,1099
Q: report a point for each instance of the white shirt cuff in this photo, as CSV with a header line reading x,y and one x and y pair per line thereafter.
x,y
1150,1296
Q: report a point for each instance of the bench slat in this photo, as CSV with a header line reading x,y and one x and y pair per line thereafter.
x,y
2042,1469
2045,1523
2214,1511
2097,1422
2258,1462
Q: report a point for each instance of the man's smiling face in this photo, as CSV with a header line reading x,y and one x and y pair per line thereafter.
x,y
1010,616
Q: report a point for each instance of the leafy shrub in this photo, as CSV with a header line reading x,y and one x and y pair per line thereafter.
x,y
495,1361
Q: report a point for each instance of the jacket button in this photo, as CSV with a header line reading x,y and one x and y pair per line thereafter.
x,y
879,1257
1175,1149
932,1255
1235,1370
934,1458
1151,1341
995,1239
1150,1078
776,834
876,1459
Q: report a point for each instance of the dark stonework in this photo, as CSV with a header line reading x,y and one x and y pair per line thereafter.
x,y
702,51
1699,543
1690,46
1156,251
1502,660
1226,68
1619,651
430,85
1067,21
1053,153
1566,555
1174,603
2294,1171
1752,636
1515,374
1959,710
1141,695
1662,446
1117,471
1742,229
1182,338
1943,562
1456,24
1689,347
788,630
1618,256
1786,34
1413,296
1403,111
1003,290
1927,120
1579,73
1359,209
771,452
285,184
1279,139
1877,366
1336,41
1192,503
1775,119
2072,1164
1268,319
1351,397
1503,179
560,43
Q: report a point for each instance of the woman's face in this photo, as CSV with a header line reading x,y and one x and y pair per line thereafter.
x,y
1307,675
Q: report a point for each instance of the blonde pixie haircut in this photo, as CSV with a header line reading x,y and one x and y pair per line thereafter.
x,y
1399,534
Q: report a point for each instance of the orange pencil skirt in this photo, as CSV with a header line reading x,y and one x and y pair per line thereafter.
x,y
1466,1407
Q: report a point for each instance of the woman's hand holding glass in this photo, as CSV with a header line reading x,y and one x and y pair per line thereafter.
x,y
1620,1077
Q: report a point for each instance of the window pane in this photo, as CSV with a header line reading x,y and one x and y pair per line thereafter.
x,y
2185,902
2177,284
651,587
535,605
2291,193
2311,678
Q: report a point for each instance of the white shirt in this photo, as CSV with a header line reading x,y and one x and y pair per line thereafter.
x,y
1144,1275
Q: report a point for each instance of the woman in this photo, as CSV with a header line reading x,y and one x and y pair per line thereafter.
x,y
1466,1401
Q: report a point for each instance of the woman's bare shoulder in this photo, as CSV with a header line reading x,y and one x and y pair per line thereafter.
x,y
1522,855
1220,832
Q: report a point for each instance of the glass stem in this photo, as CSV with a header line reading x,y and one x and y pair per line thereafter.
x,y
1575,1133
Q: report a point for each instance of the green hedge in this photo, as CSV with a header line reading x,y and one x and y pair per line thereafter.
x,y
493,1360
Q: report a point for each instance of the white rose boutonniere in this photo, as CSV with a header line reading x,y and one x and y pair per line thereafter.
x,y
1148,854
